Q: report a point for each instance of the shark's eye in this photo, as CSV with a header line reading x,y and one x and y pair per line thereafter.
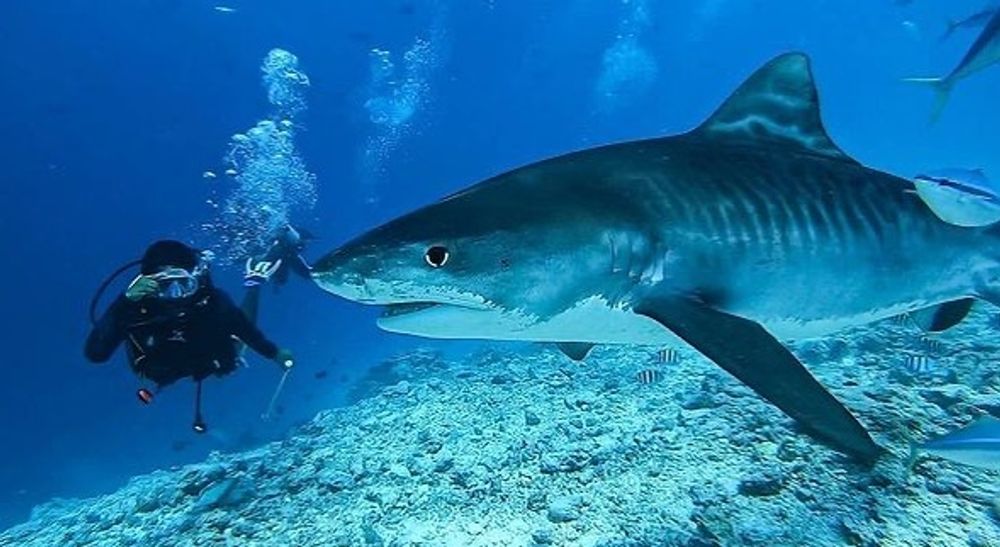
x,y
436,256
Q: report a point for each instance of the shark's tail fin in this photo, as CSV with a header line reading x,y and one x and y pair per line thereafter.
x,y
942,87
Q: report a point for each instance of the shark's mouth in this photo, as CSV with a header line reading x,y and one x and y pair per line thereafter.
x,y
395,310
435,319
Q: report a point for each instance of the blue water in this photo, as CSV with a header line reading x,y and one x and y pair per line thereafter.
x,y
111,114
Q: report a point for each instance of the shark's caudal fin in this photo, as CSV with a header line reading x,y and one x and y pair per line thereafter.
x,y
747,351
942,90
776,106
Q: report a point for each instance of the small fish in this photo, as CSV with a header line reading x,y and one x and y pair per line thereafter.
x,y
931,343
320,374
976,20
648,376
208,175
667,356
901,320
963,197
225,9
977,444
918,364
984,53
231,172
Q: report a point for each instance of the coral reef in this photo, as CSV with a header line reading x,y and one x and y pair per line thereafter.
x,y
533,449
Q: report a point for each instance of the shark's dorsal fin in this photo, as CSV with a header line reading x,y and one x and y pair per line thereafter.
x,y
776,106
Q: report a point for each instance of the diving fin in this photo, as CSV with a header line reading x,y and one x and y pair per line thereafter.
x,y
751,354
576,351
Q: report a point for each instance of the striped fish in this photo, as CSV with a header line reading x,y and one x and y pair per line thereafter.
x,y
931,343
667,356
648,376
918,364
901,320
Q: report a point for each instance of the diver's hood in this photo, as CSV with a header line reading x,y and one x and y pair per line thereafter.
x,y
167,253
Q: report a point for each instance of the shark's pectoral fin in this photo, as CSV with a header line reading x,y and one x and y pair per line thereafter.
x,y
576,351
746,350
943,316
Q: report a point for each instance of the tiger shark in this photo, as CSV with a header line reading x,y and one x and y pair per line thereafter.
x,y
749,230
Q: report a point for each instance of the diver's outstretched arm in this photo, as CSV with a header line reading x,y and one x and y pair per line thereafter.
x,y
251,303
255,276
239,325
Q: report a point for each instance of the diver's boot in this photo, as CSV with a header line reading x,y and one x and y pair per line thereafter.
x,y
199,423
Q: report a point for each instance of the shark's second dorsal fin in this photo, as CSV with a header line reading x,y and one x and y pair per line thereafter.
x,y
776,106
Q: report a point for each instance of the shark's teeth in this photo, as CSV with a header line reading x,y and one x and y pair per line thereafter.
x,y
403,309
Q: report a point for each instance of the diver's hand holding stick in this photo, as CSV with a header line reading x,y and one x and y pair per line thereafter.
x,y
286,362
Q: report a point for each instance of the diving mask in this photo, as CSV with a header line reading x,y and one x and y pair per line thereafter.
x,y
176,283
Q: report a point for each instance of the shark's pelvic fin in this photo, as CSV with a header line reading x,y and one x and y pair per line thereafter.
x,y
942,316
776,106
746,350
576,351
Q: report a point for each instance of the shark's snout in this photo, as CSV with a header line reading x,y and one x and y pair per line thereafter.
x,y
341,274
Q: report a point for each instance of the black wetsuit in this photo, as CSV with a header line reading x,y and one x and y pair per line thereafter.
x,y
167,341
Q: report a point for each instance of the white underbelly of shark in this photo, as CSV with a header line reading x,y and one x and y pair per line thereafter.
x,y
594,321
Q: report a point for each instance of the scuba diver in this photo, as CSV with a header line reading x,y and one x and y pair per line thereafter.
x,y
282,258
176,324
285,251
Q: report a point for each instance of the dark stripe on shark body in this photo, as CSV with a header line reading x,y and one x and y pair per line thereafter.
x,y
781,212
749,211
871,220
854,224
762,212
831,204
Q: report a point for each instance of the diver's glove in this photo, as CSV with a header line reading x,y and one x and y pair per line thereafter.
x,y
285,359
142,287
258,274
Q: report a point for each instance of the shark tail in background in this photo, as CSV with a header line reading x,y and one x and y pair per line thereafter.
x,y
942,88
